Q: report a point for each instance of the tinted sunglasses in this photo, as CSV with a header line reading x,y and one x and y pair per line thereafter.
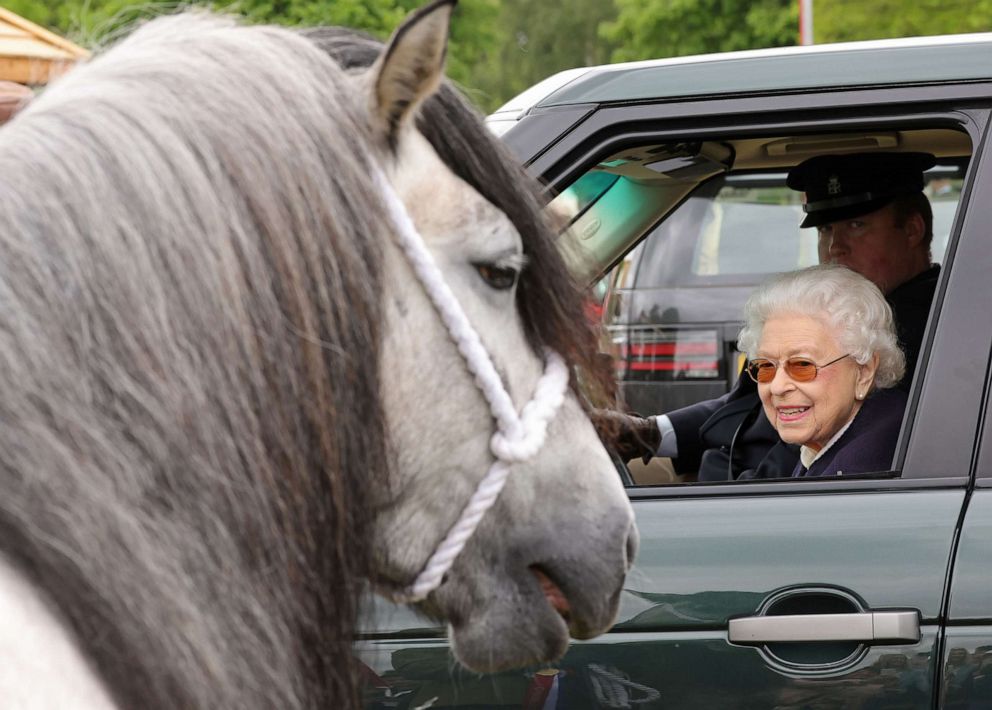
x,y
800,369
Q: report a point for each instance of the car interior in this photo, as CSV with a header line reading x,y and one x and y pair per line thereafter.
x,y
620,206
614,204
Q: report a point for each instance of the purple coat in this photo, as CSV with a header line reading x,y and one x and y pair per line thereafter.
x,y
869,443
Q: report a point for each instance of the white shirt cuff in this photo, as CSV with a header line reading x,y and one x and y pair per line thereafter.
x,y
669,444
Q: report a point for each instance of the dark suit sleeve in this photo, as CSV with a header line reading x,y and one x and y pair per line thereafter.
x,y
687,421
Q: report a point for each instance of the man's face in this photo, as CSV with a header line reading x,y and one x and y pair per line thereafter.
x,y
874,246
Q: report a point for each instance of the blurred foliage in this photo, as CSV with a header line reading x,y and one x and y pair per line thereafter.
x,y
500,47
647,29
849,20
94,22
537,39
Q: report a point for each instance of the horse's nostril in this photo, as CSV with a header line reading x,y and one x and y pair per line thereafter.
x,y
633,539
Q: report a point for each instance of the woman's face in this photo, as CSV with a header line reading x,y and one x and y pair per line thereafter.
x,y
812,412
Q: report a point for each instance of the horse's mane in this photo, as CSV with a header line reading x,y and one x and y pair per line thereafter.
x,y
549,298
188,261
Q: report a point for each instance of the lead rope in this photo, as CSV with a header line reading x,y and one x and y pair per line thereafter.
x,y
517,437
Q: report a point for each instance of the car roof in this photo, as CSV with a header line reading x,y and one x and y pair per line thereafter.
x,y
916,60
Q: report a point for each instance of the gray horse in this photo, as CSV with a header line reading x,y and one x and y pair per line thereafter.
x,y
227,400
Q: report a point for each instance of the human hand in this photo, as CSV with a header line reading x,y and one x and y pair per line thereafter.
x,y
630,435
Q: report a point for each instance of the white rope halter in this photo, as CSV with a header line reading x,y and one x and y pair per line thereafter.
x,y
517,438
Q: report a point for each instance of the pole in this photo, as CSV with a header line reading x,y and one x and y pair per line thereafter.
x,y
805,22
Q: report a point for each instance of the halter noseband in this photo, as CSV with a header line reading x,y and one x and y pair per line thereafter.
x,y
517,438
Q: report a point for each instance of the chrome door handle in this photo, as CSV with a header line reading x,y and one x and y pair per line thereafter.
x,y
872,626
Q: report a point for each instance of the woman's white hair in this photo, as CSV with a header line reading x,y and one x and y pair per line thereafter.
x,y
846,302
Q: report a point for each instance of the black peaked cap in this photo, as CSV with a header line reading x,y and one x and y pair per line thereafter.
x,y
845,186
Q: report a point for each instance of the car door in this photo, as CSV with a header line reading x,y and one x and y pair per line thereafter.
x,y
805,594
966,677
826,593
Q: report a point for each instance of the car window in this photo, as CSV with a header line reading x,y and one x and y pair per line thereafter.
x,y
943,189
672,305
751,228
574,199
729,230
740,228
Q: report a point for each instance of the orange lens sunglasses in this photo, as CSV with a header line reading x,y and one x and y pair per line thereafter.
x,y
799,369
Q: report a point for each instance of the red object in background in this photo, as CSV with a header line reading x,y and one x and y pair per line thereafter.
x,y
369,677
664,355
542,689
594,311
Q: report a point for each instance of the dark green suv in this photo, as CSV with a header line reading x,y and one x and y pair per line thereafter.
x,y
873,591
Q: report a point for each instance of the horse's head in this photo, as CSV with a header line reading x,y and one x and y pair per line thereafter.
x,y
549,558
216,361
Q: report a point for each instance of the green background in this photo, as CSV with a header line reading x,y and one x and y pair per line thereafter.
x,y
500,47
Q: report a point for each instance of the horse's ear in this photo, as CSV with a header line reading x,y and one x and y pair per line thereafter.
x,y
411,67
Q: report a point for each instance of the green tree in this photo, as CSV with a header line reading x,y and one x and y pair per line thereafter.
x,y
848,20
94,22
500,47
648,29
537,39
472,34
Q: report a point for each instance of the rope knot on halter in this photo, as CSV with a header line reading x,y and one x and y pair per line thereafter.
x,y
520,440
518,437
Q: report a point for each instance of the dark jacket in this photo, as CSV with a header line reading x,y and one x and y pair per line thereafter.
x,y
868,444
911,307
705,430
741,428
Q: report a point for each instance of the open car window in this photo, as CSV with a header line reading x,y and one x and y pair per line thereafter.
x,y
709,228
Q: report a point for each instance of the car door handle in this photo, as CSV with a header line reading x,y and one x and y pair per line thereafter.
x,y
872,626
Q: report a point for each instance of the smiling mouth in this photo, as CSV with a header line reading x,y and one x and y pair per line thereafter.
x,y
552,592
791,414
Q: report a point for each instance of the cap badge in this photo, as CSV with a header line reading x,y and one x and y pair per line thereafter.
x,y
833,185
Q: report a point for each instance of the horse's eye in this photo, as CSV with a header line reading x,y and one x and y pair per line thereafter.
x,y
500,278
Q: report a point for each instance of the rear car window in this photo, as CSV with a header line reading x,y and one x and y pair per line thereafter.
x,y
732,226
738,229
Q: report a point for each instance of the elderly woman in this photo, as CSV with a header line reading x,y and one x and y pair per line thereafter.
x,y
822,348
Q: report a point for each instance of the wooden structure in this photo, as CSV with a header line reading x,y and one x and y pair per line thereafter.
x,y
30,54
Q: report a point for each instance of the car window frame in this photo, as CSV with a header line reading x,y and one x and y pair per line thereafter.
x,y
965,108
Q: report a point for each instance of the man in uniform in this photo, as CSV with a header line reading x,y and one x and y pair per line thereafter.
x,y
871,215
